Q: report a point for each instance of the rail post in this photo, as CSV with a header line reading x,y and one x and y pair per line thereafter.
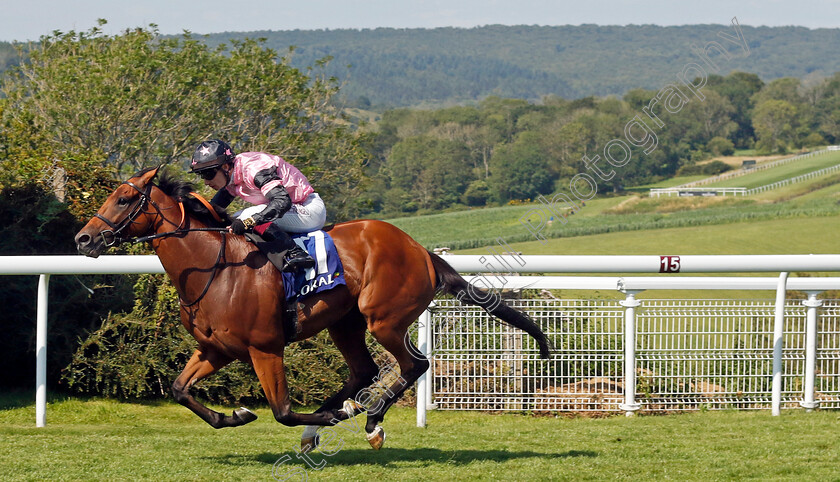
x,y
430,355
779,344
808,402
630,303
41,351
424,382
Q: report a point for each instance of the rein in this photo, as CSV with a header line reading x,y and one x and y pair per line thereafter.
x,y
212,276
139,208
198,197
145,198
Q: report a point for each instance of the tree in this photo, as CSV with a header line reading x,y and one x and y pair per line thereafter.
x,y
34,222
139,99
828,109
501,115
720,146
434,171
788,89
739,88
699,121
519,170
477,193
92,104
773,124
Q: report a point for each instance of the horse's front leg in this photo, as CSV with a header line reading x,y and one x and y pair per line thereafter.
x,y
272,374
349,336
202,364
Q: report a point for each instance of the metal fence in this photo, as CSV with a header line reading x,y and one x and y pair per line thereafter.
x,y
482,365
695,191
690,355
692,187
765,165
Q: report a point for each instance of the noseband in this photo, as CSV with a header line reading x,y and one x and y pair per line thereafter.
x,y
137,210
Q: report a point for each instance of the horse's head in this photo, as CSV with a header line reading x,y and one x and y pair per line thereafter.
x,y
123,215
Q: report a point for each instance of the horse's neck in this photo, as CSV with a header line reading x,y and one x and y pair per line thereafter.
x,y
183,253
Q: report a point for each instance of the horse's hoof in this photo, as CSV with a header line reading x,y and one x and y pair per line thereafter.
x,y
309,444
376,438
352,408
242,416
310,439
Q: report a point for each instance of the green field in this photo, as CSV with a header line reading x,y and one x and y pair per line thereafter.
x,y
107,440
817,199
803,235
796,219
671,182
818,235
477,228
780,173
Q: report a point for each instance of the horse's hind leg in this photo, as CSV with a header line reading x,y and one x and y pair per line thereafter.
x,y
202,364
392,337
348,334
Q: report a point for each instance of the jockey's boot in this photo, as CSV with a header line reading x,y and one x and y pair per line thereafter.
x,y
297,259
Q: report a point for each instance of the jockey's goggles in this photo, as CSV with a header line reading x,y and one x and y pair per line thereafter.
x,y
208,174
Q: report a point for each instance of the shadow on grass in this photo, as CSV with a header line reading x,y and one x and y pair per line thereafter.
x,y
389,455
16,398
19,398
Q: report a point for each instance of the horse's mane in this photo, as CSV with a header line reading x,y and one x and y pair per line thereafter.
x,y
180,190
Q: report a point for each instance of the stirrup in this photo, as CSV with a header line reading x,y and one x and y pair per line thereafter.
x,y
298,263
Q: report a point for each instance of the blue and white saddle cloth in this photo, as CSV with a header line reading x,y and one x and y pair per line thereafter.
x,y
327,273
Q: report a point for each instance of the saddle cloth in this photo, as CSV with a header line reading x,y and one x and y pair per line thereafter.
x,y
327,273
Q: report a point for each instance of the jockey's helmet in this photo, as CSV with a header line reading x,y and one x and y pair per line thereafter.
x,y
211,155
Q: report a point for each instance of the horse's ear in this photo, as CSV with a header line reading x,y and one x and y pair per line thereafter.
x,y
147,176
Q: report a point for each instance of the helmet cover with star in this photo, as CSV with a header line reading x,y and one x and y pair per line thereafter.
x,y
211,155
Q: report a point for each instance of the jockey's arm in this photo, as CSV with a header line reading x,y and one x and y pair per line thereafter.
x,y
279,201
223,198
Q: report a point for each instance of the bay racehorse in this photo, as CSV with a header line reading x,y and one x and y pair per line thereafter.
x,y
232,299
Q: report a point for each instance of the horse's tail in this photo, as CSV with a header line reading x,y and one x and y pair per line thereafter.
x,y
449,281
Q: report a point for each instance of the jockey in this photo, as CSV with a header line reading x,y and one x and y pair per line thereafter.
x,y
281,195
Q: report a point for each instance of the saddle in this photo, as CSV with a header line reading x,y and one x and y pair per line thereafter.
x,y
273,250
327,273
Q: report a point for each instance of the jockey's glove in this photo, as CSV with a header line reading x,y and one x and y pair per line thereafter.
x,y
239,226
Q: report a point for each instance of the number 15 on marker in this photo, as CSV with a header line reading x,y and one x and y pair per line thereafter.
x,y
669,264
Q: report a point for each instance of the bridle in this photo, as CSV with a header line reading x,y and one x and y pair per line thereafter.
x,y
137,210
140,208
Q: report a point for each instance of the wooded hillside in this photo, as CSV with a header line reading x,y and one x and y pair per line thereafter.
x,y
509,150
406,67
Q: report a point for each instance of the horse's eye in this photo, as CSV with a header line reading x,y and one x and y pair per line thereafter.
x,y
122,201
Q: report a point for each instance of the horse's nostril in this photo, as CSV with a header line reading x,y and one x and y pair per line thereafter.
x,y
83,239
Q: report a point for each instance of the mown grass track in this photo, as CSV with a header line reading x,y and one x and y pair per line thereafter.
x,y
108,440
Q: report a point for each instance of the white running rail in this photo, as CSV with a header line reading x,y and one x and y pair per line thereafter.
x,y
497,269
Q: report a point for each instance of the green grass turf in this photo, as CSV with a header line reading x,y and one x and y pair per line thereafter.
x,y
479,228
818,198
780,173
108,440
818,235
806,235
